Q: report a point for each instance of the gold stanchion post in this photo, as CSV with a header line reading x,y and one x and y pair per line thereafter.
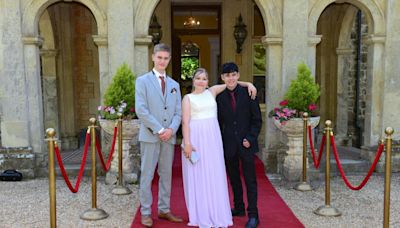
x,y
388,173
327,209
93,213
120,188
304,185
50,132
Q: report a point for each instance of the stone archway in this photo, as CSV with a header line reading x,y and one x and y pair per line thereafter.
x,y
375,15
375,74
30,20
35,8
270,11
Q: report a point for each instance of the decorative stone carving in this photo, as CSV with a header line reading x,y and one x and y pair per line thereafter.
x,y
130,150
292,164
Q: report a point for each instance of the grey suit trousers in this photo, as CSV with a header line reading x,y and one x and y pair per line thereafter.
x,y
161,153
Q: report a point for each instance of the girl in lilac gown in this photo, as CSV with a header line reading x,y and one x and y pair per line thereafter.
x,y
205,183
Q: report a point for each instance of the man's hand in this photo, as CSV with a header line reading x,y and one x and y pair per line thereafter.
x,y
166,134
246,143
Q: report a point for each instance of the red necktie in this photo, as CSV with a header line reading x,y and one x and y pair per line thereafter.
x,y
233,101
162,84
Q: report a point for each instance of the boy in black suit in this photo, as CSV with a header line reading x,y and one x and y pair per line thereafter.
x,y
240,121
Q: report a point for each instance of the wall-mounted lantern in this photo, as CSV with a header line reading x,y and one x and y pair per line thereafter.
x,y
240,33
155,30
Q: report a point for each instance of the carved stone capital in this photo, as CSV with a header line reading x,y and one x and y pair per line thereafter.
x,y
314,40
100,40
344,51
271,40
49,53
146,40
33,40
375,39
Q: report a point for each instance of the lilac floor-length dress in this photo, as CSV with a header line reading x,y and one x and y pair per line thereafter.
x,y
205,182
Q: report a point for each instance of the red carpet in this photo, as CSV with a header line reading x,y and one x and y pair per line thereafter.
x,y
273,211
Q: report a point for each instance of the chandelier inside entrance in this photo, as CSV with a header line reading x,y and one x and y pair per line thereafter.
x,y
191,22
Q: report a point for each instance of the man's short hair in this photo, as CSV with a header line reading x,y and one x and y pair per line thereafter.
x,y
229,67
161,47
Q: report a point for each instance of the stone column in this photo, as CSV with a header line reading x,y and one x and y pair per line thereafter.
x,y
105,77
342,95
49,81
13,98
34,92
375,85
391,104
274,94
295,38
313,41
121,34
141,54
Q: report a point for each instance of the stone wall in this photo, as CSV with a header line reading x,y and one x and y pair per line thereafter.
x,y
22,159
86,65
351,73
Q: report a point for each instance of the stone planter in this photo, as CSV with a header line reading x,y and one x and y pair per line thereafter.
x,y
293,161
130,150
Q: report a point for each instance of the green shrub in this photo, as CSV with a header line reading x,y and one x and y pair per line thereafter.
x,y
303,92
120,95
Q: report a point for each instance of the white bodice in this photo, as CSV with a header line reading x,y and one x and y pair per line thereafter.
x,y
203,105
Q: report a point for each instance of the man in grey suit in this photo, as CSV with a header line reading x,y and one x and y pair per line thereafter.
x,y
158,106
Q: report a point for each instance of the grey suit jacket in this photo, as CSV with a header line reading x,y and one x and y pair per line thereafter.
x,y
155,110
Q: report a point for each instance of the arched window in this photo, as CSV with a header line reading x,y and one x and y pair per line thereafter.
x,y
190,53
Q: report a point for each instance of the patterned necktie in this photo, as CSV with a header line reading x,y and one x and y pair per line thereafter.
x,y
162,84
233,101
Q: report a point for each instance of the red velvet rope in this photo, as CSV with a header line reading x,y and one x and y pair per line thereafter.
x,y
378,155
64,173
321,148
106,167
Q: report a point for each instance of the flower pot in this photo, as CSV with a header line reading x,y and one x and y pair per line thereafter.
x,y
130,150
293,128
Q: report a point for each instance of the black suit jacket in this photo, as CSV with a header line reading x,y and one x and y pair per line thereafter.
x,y
245,123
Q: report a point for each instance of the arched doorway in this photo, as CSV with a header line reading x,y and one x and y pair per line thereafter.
x,y
71,75
32,13
349,67
342,70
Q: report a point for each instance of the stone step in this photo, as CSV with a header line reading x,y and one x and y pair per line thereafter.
x,y
350,159
73,170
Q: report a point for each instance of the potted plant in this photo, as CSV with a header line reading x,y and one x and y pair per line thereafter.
x,y
119,96
301,97
119,100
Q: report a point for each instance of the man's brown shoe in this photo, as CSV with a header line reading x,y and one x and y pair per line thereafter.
x,y
147,221
170,217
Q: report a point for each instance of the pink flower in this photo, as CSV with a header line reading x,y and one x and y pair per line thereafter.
x,y
286,111
312,107
283,103
132,109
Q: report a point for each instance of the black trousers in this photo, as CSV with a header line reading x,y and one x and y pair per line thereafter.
x,y
232,162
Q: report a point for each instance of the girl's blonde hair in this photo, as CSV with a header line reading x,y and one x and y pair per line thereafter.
x,y
198,72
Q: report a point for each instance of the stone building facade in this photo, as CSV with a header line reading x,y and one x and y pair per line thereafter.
x,y
58,56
